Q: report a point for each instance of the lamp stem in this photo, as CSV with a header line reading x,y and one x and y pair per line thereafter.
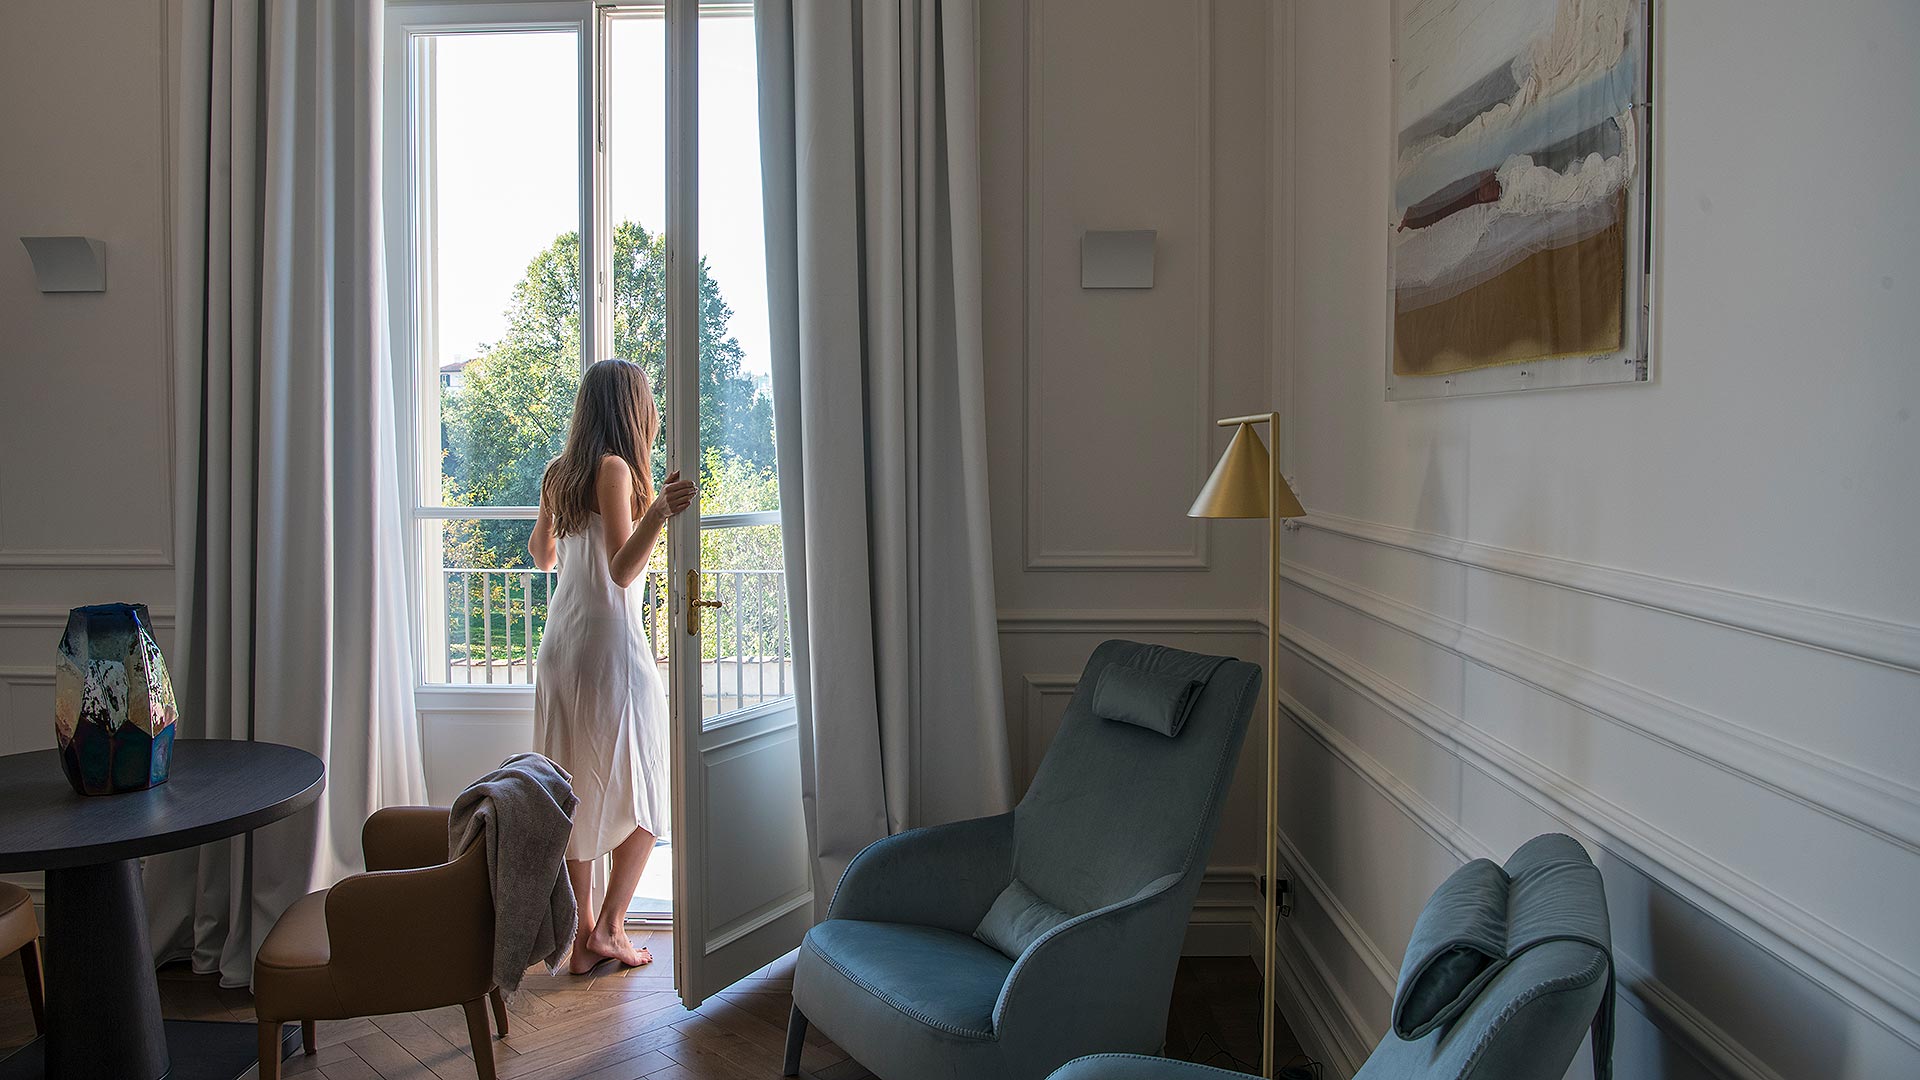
x,y
1271,894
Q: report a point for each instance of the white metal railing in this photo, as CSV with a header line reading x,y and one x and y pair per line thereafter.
x,y
496,617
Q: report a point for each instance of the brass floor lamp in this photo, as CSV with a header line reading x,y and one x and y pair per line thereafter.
x,y
1247,484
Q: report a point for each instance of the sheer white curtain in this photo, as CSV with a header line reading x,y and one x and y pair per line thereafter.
x,y
292,621
870,163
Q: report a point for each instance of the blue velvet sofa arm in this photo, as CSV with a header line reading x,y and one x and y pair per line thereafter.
x,y
944,876
1093,966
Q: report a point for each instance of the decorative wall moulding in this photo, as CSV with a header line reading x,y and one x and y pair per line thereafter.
x,y
1876,986
48,616
1039,555
1147,621
1862,637
1879,805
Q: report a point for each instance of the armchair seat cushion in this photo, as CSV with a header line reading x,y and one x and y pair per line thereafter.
x,y
944,980
290,976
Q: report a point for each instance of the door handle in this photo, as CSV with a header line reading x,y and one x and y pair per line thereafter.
x,y
694,603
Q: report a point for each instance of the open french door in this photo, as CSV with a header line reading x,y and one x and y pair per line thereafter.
x,y
742,888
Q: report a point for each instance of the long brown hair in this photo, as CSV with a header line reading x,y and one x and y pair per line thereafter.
x,y
613,414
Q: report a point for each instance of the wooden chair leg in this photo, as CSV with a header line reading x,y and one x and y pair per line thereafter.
x,y
269,1049
479,1035
499,1011
36,985
306,1037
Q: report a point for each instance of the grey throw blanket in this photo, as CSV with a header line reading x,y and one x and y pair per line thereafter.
x,y
524,810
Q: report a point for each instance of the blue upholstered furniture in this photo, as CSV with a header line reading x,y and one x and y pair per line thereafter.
x,y
1112,838
1507,969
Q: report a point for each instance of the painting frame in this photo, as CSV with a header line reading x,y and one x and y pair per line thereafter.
x,y
1631,362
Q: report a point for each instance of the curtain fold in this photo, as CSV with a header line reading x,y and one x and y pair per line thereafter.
x,y
869,157
292,622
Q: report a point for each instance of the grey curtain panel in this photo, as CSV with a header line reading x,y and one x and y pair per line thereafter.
x,y
871,179
292,618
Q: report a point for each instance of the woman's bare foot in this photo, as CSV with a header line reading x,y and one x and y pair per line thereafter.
x,y
617,945
585,957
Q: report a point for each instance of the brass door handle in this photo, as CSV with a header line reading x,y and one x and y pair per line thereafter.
x,y
694,603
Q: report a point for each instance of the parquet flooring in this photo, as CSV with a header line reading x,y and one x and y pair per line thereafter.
x,y
629,1025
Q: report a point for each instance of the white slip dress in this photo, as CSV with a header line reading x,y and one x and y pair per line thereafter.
x,y
599,708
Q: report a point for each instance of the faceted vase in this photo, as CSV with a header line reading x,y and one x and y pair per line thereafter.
x,y
113,703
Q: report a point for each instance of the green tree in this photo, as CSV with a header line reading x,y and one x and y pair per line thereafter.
x,y
509,414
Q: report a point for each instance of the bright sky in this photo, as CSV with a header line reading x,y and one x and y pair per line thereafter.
x,y
508,167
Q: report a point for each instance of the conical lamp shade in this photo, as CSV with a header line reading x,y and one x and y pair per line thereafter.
x,y
1238,486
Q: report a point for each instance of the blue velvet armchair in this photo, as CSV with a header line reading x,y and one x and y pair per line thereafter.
x,y
1507,970
1090,881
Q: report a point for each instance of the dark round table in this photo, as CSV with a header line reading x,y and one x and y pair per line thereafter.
x,y
103,1004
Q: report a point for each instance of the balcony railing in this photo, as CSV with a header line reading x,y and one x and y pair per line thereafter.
x,y
495,619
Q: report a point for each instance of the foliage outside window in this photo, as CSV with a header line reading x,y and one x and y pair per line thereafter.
x,y
506,415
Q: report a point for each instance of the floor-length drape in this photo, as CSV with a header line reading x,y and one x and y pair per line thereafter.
x,y
292,619
870,169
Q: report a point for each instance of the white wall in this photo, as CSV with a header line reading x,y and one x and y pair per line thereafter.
x,y
1100,115
86,389
1678,621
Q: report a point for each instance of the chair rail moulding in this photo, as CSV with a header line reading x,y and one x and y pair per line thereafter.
x,y
1133,621
54,558
40,616
1862,637
1037,553
1880,805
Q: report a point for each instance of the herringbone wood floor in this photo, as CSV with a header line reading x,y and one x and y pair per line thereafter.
x,y
628,1025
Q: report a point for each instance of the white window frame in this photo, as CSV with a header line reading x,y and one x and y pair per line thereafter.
x,y
410,288
411,292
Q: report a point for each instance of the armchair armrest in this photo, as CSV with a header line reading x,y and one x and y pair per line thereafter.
x,y
1091,965
439,918
405,837
945,876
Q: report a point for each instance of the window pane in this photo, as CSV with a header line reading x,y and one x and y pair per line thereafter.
x,y
746,654
736,393
498,156
636,111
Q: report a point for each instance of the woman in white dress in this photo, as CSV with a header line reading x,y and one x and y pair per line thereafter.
x,y
598,707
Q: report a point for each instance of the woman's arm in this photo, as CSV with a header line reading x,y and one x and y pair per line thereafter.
x,y
632,542
541,545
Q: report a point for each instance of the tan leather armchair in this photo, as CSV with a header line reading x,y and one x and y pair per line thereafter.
x,y
414,932
20,933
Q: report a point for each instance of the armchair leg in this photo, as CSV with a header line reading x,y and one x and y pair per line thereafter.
x,y
36,985
269,1049
796,1041
499,1011
306,1037
480,1036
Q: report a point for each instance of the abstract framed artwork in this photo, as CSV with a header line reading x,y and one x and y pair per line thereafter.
x,y
1518,236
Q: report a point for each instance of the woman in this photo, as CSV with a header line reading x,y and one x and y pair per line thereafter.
x,y
598,707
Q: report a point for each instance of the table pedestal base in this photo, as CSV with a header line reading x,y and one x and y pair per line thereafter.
x,y
201,1050
103,1002
103,1005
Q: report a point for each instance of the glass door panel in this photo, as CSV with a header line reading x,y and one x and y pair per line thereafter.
x,y
743,889
632,137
